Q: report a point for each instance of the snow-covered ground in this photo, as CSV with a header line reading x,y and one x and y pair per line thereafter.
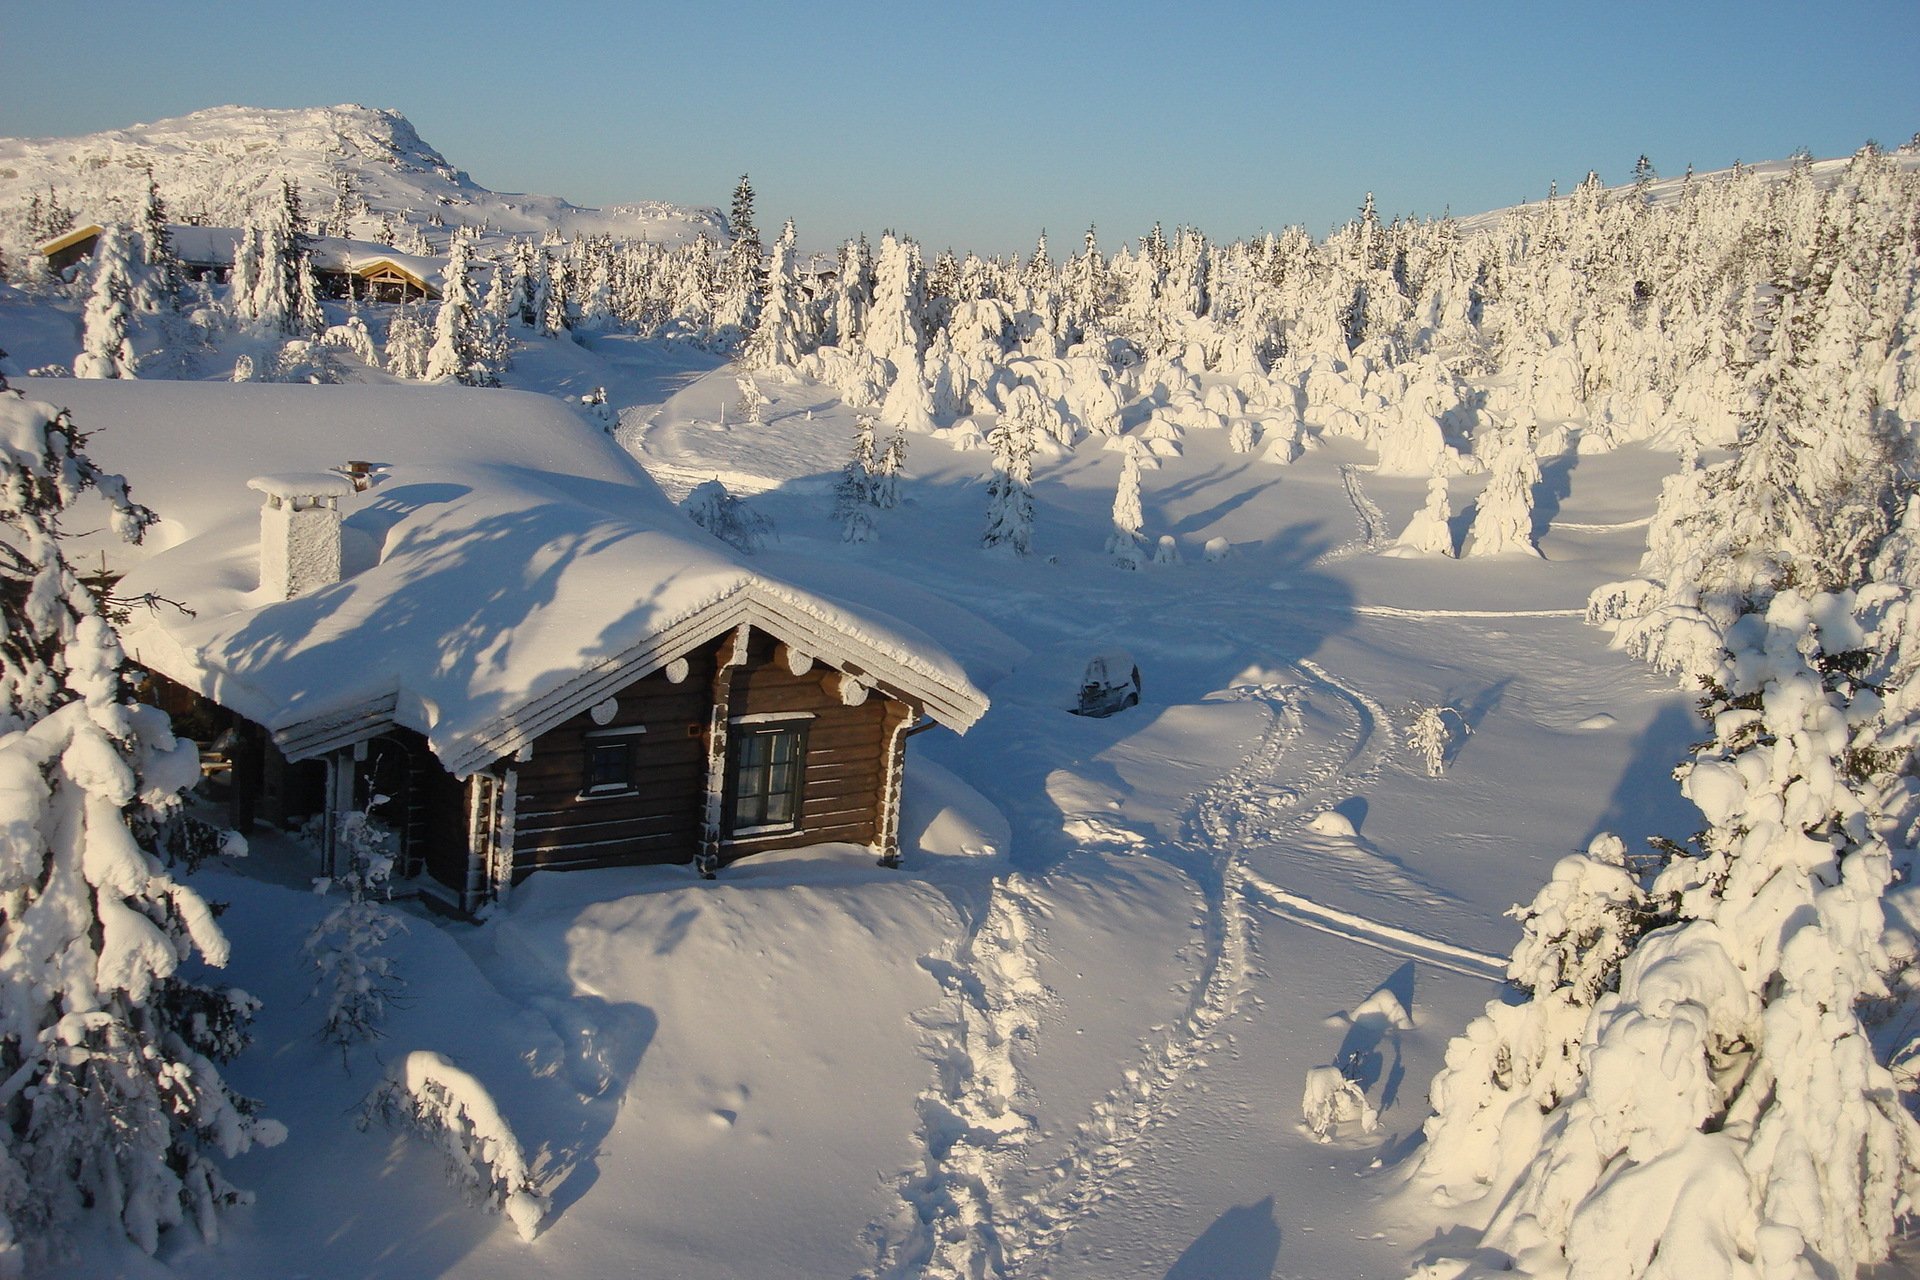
x,y
1070,1037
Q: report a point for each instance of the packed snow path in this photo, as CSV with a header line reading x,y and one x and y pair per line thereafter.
x,y
966,1220
1372,521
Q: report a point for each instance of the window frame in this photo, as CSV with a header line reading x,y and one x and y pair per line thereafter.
x,y
601,740
743,730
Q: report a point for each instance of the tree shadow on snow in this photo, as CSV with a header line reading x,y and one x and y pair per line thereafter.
x,y
1242,1244
1556,483
1371,1036
1646,800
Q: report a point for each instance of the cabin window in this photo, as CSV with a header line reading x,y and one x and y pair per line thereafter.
x,y
767,766
609,764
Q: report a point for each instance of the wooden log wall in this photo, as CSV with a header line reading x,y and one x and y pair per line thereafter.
x,y
659,820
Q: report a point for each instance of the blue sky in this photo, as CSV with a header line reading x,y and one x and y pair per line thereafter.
x,y
978,125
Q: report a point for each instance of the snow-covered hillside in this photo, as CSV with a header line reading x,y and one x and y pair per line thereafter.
x,y
222,165
1160,994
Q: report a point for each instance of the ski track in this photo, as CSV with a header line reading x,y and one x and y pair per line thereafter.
x,y
962,1214
1223,820
1394,611
960,1217
1641,523
1382,937
1371,519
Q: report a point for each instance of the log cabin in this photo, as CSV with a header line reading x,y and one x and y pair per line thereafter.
x,y
499,635
342,268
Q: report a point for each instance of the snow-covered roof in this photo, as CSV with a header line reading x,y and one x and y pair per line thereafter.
x,y
218,247
302,484
510,568
68,239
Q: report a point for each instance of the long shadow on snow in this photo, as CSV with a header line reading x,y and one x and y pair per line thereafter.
x,y
1646,800
1242,1244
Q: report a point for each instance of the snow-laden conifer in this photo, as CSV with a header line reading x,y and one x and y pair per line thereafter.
x,y
1503,517
726,517
111,1098
1429,532
429,1096
780,335
894,319
353,974
408,341
107,350
1010,491
855,493
457,328
1124,543
1699,1084
887,472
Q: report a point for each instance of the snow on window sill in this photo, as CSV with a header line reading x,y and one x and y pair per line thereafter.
x,y
607,793
760,833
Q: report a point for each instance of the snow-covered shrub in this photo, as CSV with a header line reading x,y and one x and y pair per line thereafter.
x,y
1429,735
1332,1098
750,405
112,1099
1166,551
353,336
352,974
726,517
427,1095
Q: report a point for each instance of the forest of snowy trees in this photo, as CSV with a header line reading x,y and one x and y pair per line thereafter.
x,y
1731,1013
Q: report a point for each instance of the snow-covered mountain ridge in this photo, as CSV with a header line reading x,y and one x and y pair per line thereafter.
x,y
218,166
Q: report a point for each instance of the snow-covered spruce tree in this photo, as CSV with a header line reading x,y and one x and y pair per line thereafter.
x,y
107,351
111,1098
894,318
1124,543
163,275
347,949
726,517
1699,1084
886,472
308,318
1010,492
246,267
736,309
456,351
407,343
780,336
1503,518
1429,533
853,492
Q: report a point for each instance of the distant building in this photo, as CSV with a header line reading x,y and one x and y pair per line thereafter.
x,y
358,268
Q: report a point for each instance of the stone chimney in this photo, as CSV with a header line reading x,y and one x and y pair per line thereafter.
x,y
300,531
